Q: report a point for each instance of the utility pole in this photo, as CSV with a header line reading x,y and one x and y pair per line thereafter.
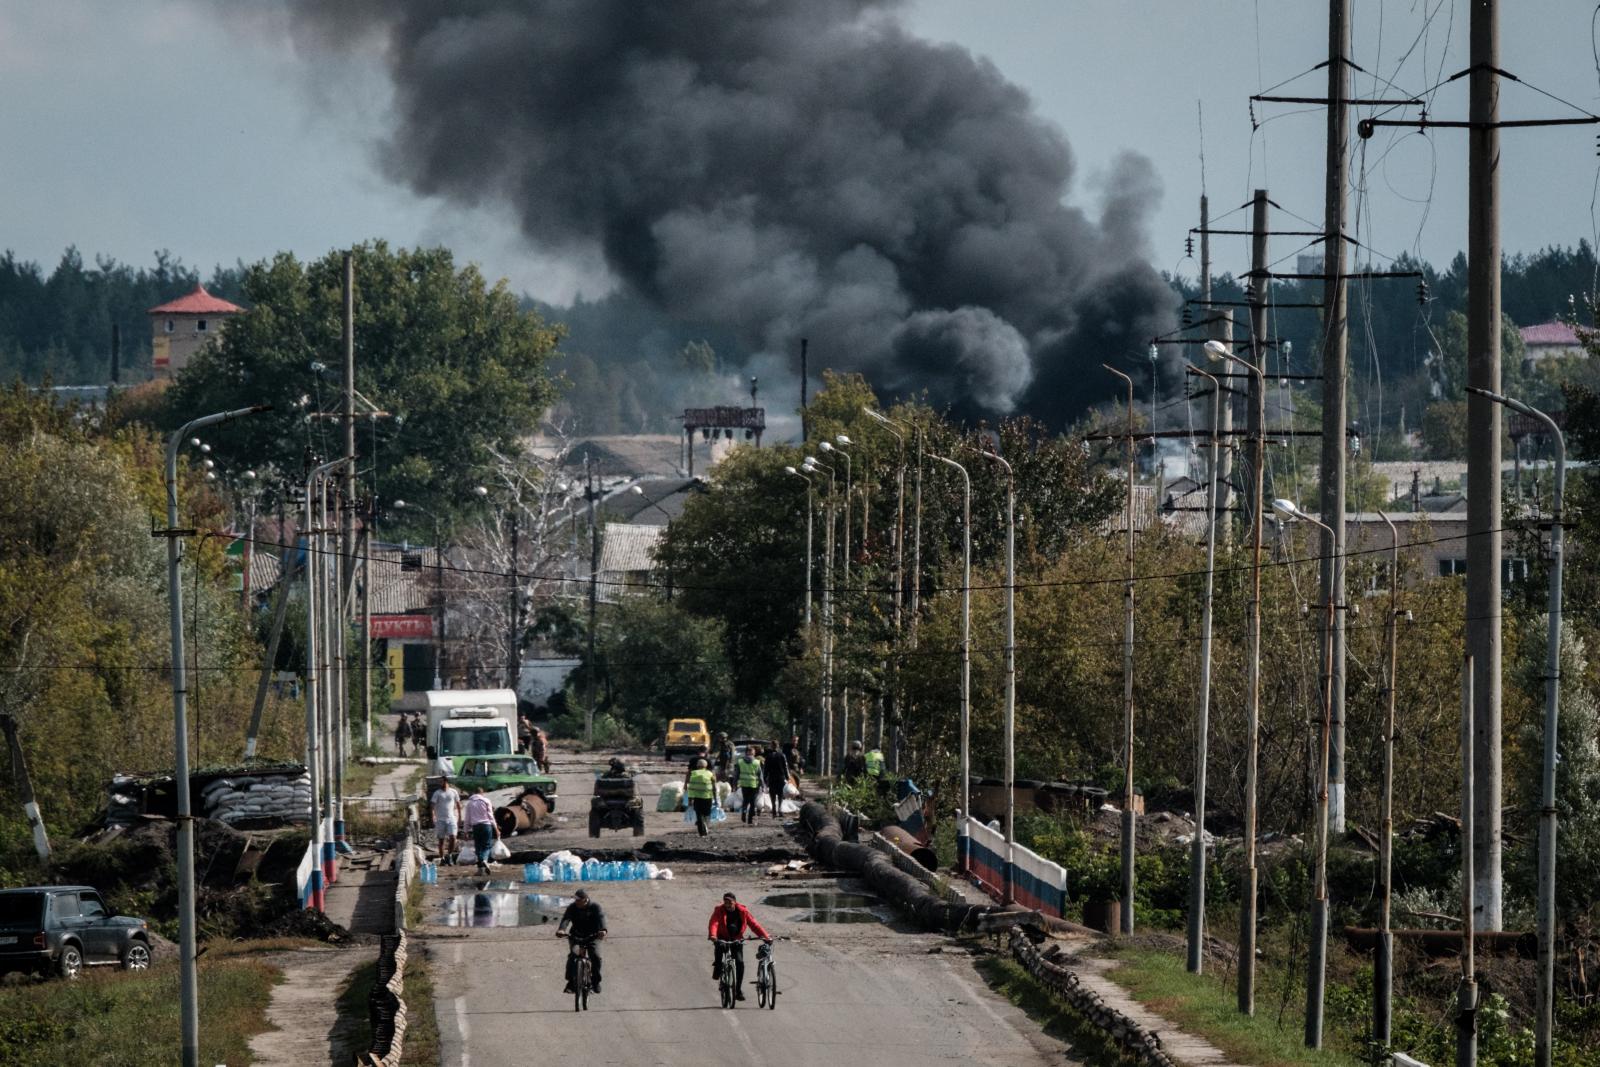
x,y
1197,853
348,529
1467,987
1483,454
594,595
1383,977
1335,383
24,784
1129,819
1220,329
287,565
514,644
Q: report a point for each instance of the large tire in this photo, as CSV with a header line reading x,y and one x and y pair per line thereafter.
x,y
136,956
638,823
69,964
594,824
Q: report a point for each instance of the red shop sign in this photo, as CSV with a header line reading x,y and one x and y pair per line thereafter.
x,y
415,626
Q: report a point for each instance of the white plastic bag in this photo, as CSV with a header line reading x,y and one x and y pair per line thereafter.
x,y
500,852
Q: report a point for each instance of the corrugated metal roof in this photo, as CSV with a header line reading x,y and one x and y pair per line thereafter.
x,y
627,548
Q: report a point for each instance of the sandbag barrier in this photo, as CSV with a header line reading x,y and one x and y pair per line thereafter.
x,y
386,1009
827,846
1142,1046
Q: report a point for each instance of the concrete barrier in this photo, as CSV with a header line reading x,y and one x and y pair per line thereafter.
x,y
1036,882
308,879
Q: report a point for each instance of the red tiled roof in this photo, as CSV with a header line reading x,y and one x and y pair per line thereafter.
x,y
1549,333
198,302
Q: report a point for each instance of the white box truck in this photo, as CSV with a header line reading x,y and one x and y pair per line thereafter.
x,y
469,722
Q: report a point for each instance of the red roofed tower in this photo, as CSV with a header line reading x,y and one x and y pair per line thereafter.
x,y
179,328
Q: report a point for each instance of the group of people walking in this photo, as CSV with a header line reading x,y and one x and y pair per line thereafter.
x,y
753,773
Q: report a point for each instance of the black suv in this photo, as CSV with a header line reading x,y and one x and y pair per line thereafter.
x,y
63,928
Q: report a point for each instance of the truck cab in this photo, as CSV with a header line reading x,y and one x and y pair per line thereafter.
x,y
464,723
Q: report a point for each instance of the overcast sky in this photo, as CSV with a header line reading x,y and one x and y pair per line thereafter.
x,y
130,127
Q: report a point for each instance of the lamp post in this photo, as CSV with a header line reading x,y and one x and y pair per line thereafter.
x,y
966,655
825,742
810,506
1197,852
1544,1022
1317,953
188,995
1155,387
1219,352
1383,979
1130,823
897,432
1008,893
844,693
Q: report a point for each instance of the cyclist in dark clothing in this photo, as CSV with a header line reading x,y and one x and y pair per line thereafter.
x,y
776,773
584,919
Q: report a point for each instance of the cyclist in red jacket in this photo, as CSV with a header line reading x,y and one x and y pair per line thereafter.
x,y
732,921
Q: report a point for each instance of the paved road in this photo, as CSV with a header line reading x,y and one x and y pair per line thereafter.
x,y
859,992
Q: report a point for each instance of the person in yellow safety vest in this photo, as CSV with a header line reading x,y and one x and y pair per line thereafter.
x,y
701,790
748,767
874,760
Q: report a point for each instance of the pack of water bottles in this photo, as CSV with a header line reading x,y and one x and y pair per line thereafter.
x,y
567,867
428,874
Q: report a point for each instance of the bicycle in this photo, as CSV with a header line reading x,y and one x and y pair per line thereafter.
x,y
582,980
728,982
766,977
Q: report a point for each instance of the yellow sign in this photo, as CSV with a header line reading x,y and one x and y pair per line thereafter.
x,y
160,351
396,660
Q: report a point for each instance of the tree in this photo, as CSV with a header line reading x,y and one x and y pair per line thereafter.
x,y
661,662
460,366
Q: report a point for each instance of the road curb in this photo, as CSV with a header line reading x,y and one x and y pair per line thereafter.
x,y
386,1007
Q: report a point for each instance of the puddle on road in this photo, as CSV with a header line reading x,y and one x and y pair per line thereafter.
x,y
827,906
501,907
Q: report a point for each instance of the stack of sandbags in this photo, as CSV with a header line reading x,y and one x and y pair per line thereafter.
x,y
125,803
281,796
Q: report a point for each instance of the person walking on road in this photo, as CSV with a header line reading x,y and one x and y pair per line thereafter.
x,y
479,817
539,749
791,752
584,920
419,734
724,757
446,802
402,734
748,768
700,790
775,771
732,921
855,764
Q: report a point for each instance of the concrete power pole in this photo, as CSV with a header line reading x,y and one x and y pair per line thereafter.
x,y
1335,384
1483,455
348,526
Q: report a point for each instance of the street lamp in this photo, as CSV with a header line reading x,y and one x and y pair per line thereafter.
x,y
844,694
1383,980
1216,351
1130,823
1544,1022
1008,894
962,840
1317,955
1197,853
825,742
188,996
896,431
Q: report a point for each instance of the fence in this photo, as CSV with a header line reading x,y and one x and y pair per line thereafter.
x,y
1035,881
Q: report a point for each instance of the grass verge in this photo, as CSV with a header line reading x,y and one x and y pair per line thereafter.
x,y
1205,1007
422,1027
1088,1042
132,1020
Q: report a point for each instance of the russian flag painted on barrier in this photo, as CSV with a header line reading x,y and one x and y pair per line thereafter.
x,y
1035,881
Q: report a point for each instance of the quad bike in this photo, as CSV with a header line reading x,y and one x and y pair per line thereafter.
x,y
615,805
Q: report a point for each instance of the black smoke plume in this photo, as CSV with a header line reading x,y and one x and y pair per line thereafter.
x,y
788,168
